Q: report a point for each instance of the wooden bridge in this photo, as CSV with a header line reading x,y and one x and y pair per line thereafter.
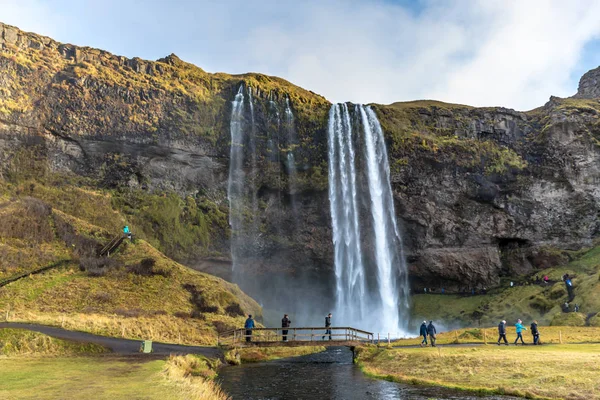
x,y
313,336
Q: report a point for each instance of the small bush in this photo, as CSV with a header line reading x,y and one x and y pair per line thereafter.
x,y
102,297
222,327
146,268
29,221
557,291
541,303
131,313
96,266
182,315
568,319
199,301
234,310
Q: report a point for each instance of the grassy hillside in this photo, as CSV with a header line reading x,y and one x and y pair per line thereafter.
x,y
527,301
137,293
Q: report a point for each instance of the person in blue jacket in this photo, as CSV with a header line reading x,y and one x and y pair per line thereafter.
x,y
127,232
520,329
249,325
423,332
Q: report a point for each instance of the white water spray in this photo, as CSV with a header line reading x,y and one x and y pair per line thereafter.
x,y
235,187
383,304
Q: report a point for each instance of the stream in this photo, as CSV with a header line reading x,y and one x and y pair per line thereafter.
x,y
327,375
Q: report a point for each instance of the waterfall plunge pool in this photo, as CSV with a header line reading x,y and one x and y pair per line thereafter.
x,y
327,375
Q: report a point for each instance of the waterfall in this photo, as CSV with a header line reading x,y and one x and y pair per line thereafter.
x,y
235,187
349,268
253,165
382,303
290,159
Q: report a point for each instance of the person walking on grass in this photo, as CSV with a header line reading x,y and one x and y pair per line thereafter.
x,y
535,333
249,325
285,323
520,329
502,332
431,332
423,332
327,326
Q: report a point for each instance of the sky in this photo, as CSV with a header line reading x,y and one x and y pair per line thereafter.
x,y
512,53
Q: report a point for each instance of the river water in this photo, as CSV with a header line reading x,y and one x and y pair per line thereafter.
x,y
327,375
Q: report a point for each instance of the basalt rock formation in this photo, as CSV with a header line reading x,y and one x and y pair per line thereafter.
x,y
480,192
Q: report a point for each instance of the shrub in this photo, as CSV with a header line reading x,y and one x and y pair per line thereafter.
x,y
146,268
234,310
222,327
102,297
558,291
541,303
96,266
199,301
29,221
568,319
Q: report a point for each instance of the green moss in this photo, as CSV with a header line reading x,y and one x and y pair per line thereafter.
x,y
179,227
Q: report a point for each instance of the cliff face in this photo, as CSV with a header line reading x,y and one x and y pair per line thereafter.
x,y
479,193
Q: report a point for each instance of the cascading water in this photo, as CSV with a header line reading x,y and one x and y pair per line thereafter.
x,y
235,187
253,163
381,303
290,159
349,268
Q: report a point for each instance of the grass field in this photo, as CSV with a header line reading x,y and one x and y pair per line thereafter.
x,y
36,366
553,371
92,378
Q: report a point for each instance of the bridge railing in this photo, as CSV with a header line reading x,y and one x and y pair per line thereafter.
x,y
301,334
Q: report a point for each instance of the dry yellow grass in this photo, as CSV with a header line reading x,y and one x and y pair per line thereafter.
x,y
554,371
257,354
193,378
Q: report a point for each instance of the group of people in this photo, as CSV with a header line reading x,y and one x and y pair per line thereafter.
x,y
285,323
428,330
519,328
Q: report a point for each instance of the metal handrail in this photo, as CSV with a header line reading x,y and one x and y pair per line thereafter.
x,y
295,334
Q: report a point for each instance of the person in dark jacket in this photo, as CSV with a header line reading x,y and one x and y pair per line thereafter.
x,y
431,332
423,332
249,325
502,332
327,326
285,323
535,332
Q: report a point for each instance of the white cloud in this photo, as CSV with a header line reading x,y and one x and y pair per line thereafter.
x,y
488,52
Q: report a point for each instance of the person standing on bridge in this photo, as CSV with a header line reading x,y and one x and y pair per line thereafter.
x,y
328,326
249,325
285,323
431,331
423,332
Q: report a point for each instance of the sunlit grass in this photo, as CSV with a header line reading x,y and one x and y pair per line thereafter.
x,y
554,371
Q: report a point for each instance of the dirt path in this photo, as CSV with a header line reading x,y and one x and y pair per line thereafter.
x,y
119,346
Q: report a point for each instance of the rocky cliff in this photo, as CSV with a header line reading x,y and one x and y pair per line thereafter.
x,y
480,192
